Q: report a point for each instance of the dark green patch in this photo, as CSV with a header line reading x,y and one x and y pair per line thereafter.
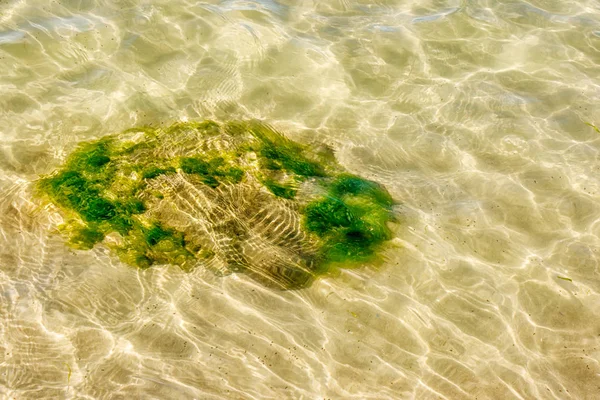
x,y
197,166
85,238
324,216
66,189
98,209
346,184
289,159
194,165
71,190
234,175
279,153
156,234
153,171
212,172
352,220
122,223
132,206
280,190
90,157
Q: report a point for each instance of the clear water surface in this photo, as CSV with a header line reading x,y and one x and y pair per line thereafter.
x,y
477,115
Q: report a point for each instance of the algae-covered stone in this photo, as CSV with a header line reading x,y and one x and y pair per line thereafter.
x,y
231,197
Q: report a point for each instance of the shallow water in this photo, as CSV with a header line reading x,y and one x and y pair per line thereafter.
x,y
477,115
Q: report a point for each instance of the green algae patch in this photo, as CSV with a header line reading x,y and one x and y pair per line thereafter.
x,y
213,172
352,219
230,197
86,237
280,189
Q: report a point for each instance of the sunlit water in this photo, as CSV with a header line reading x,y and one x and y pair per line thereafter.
x,y
474,113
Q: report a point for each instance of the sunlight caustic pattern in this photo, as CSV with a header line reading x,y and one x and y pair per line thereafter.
x,y
477,116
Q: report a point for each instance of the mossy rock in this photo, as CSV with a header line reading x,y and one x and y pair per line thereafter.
x,y
231,197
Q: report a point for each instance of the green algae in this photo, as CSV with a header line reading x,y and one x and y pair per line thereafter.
x,y
279,153
157,233
134,192
71,190
289,159
91,156
153,171
145,246
279,189
352,219
213,172
85,238
346,184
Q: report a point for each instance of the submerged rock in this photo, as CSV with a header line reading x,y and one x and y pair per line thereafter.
x,y
230,197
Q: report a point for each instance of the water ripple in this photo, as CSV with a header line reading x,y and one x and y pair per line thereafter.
x,y
478,116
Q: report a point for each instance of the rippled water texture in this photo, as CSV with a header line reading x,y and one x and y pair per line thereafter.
x,y
478,117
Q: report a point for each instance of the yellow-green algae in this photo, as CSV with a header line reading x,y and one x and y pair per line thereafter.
x,y
126,190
